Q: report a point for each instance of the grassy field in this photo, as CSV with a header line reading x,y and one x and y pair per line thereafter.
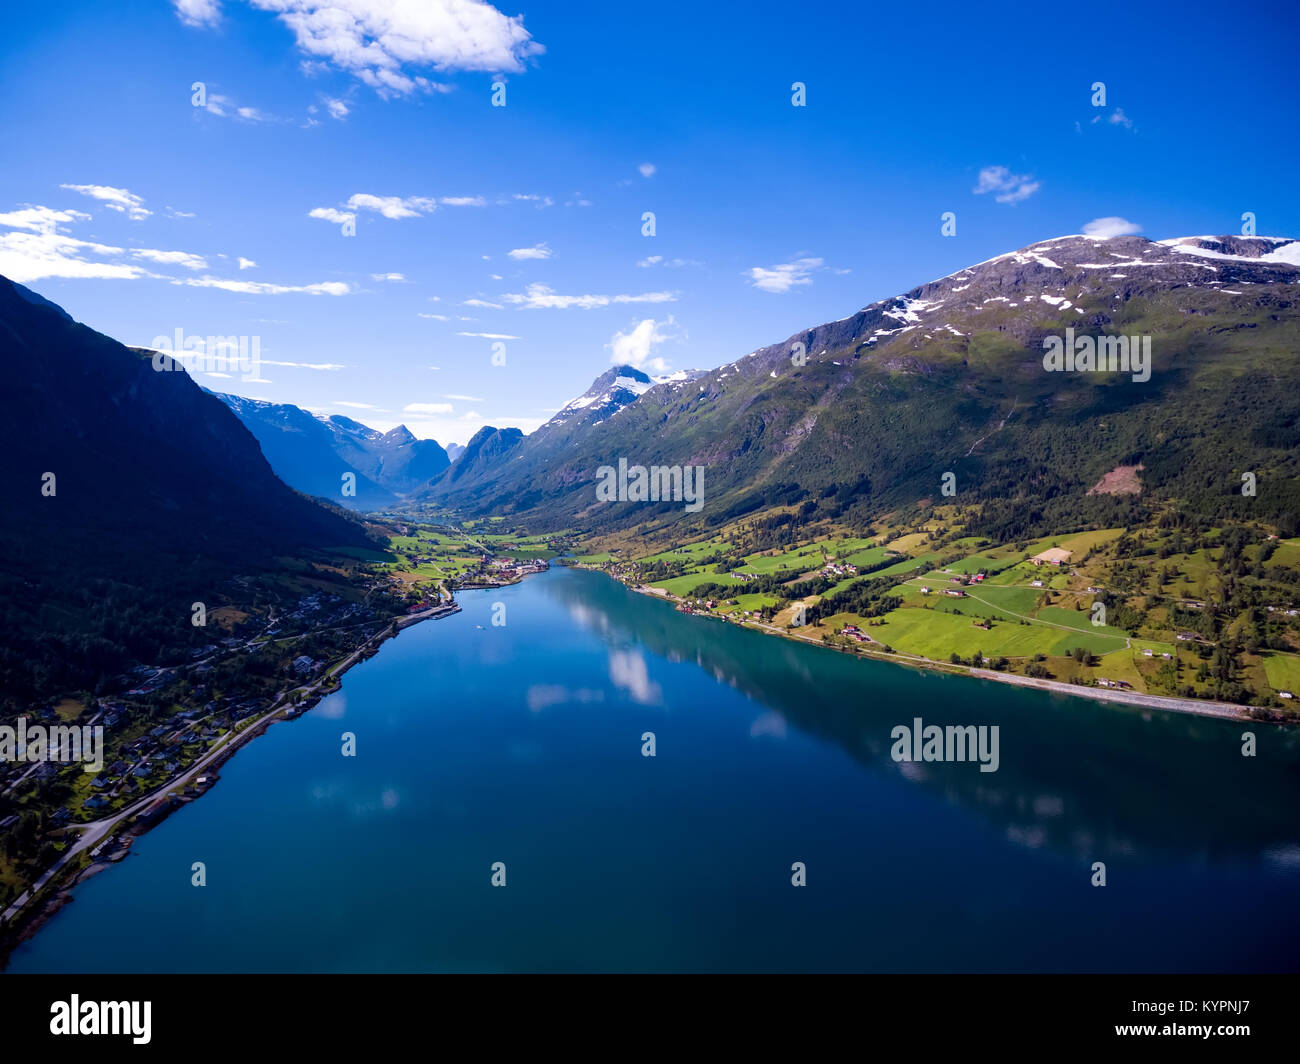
x,y
1283,672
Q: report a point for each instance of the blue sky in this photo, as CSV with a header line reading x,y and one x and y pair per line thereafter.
x,y
142,213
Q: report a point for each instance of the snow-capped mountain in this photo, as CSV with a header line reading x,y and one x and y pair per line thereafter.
x,y
611,392
866,412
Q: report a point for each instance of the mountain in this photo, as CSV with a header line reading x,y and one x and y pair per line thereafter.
x,y
129,495
866,414
312,452
455,450
481,461
484,452
613,390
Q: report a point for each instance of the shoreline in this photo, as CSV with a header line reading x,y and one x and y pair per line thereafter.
x,y
54,888
1166,703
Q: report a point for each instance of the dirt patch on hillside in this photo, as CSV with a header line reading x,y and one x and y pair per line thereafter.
x,y
1122,480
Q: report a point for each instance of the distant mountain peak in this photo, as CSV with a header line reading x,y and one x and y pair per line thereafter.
x,y
616,388
312,451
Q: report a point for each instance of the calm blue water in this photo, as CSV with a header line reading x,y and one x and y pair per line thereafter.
x,y
522,744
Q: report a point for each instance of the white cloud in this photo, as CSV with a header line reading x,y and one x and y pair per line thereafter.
x,y
782,278
427,408
30,256
115,199
540,296
435,317
262,288
329,214
172,258
1111,226
41,219
491,336
388,277
463,201
173,213
466,398
387,43
39,250
1116,118
198,12
246,264
1009,187
359,406
304,365
647,169
539,251
528,197
337,108
636,347
392,206
224,107
482,303
659,260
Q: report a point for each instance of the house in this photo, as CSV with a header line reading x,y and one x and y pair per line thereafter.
x,y
1035,583
1051,556
1285,694
1147,652
1187,637
925,591
303,665
954,592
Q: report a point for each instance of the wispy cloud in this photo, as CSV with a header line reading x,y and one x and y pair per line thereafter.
x,y
393,277
392,206
427,408
647,169
490,336
672,264
1117,117
115,199
246,264
198,12
540,296
1006,186
785,276
262,288
172,258
539,251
